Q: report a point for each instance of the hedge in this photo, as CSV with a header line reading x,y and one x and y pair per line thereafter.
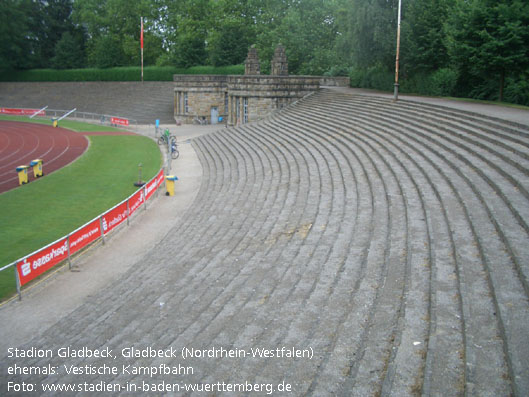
x,y
129,73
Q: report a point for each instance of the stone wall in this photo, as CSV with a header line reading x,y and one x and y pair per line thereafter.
x,y
338,81
240,98
252,98
196,95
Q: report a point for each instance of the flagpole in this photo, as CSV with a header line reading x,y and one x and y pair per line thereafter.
x,y
141,44
396,85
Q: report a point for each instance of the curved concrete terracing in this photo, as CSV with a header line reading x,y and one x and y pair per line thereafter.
x,y
386,244
143,102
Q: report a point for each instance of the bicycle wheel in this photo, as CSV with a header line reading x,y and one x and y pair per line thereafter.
x,y
161,141
175,153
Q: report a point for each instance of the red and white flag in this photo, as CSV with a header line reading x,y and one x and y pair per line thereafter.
x,y
141,45
141,35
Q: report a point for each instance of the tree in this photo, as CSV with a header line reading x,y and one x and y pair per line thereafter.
x,y
120,21
186,24
13,30
368,31
423,35
229,44
55,19
190,50
232,30
490,38
106,51
308,31
69,53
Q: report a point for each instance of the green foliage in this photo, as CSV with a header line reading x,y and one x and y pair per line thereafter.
x,y
30,31
482,43
423,35
13,27
489,39
517,89
114,25
377,77
190,50
441,82
308,32
369,32
69,53
105,52
339,70
444,82
189,21
234,69
229,44
127,73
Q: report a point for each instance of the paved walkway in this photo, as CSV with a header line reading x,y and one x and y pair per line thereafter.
x,y
348,245
509,113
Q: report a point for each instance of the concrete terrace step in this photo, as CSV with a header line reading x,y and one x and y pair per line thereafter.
x,y
144,102
513,201
391,239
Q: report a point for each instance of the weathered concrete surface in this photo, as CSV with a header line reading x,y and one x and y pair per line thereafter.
x,y
384,245
144,102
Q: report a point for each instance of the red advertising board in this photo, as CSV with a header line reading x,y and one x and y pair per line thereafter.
x,y
150,188
114,217
36,264
119,121
159,178
22,112
136,201
84,236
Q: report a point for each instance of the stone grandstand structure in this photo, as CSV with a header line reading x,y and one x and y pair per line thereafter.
x,y
204,99
389,238
236,100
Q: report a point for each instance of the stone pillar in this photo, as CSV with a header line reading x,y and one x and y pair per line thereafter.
x,y
230,110
251,64
279,65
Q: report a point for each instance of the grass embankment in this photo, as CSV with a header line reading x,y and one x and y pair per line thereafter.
x,y
46,209
128,73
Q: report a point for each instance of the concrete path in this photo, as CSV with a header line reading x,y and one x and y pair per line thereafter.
x,y
44,304
347,246
513,114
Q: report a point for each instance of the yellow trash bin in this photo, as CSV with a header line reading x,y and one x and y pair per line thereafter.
x,y
22,174
169,184
37,167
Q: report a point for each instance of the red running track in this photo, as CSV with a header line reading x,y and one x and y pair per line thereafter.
x,y
20,143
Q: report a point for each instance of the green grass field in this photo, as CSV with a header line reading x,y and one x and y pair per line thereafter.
x,y
40,212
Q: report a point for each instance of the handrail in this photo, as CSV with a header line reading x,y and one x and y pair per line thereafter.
x,y
102,118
